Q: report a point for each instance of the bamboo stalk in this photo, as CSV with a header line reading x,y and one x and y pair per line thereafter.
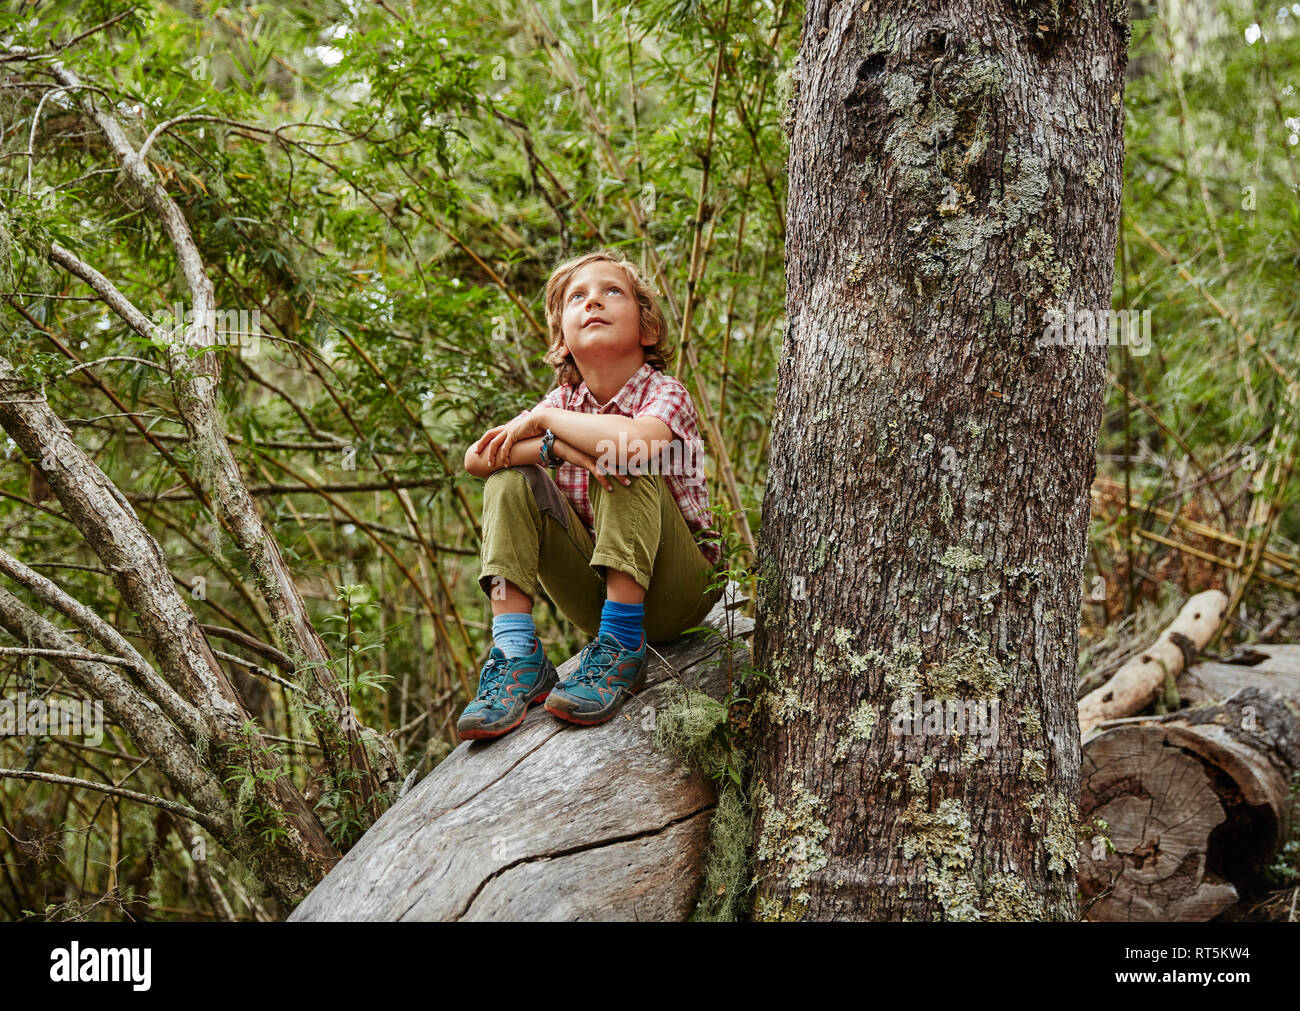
x,y
1182,443
1272,513
1202,530
383,546
1214,302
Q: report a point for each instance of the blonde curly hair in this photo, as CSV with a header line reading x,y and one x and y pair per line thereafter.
x,y
659,354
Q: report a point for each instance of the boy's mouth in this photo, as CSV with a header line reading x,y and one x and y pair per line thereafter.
x,y
593,322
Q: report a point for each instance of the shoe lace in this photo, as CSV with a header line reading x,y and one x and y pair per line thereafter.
x,y
599,657
492,680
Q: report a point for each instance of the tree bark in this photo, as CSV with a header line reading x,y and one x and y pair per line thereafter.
x,y
955,173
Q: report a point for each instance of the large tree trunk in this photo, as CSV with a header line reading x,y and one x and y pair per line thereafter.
x,y
955,173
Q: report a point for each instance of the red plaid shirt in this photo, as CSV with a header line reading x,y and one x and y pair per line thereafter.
x,y
647,393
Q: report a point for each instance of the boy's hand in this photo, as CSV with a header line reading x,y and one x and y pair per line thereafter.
x,y
478,446
499,440
570,453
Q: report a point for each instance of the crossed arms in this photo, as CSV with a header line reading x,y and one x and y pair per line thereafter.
x,y
587,440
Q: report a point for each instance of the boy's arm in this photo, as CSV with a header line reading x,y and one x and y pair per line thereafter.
x,y
588,431
521,453
529,451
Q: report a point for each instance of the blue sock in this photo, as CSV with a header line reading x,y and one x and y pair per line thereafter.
x,y
623,622
513,633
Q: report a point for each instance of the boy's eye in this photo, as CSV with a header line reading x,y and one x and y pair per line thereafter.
x,y
612,287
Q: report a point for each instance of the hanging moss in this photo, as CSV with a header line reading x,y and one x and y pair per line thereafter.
x,y
686,727
692,726
727,863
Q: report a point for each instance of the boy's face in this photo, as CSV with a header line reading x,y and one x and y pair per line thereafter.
x,y
602,320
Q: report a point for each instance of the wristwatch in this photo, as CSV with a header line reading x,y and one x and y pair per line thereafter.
x,y
548,458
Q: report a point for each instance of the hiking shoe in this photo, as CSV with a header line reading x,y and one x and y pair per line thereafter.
x,y
506,688
607,673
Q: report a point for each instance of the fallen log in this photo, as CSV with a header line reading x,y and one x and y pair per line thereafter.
x,y
552,821
1195,802
1135,685
1274,669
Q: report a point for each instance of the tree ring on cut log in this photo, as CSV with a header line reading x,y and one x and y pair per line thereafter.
x,y
1160,808
1195,804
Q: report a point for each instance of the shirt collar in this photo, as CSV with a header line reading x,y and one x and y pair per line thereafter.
x,y
630,389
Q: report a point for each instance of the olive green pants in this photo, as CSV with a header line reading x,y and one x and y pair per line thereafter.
x,y
532,535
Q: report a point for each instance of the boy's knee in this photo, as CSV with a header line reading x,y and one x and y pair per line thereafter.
x,y
642,484
507,482
529,481
505,477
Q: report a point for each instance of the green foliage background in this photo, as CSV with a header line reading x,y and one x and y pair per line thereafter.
x,y
389,185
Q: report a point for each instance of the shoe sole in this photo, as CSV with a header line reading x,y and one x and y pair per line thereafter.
x,y
483,735
614,707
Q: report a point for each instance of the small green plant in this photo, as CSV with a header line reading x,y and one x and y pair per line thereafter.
x,y
345,825
256,780
355,638
1093,831
1284,871
354,635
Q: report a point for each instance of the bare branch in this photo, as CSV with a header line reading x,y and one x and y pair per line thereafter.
x,y
52,595
17,53
252,644
128,707
31,136
91,31
70,654
113,358
116,791
254,668
166,125
108,291
179,495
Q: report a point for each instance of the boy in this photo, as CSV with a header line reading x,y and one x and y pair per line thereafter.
x,y
627,560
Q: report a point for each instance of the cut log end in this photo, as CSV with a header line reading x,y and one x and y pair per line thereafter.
x,y
1194,804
